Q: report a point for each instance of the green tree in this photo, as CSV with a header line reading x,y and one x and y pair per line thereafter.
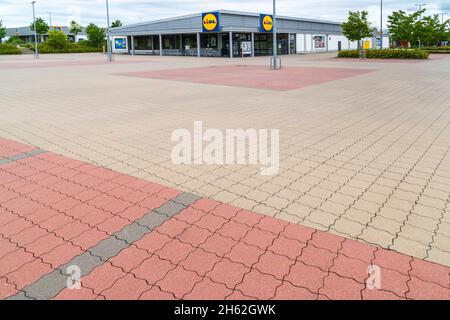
x,y
57,39
96,35
357,27
116,24
41,26
402,27
2,31
75,28
428,31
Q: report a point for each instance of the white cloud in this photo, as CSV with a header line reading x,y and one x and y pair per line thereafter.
x,y
16,13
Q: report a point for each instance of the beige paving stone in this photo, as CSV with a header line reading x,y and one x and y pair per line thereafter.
x,y
444,228
432,202
417,234
257,195
333,207
299,210
410,247
388,225
367,206
347,228
310,201
375,236
429,212
289,217
362,217
400,204
343,199
269,211
277,202
441,242
322,218
422,222
437,256
244,203
225,197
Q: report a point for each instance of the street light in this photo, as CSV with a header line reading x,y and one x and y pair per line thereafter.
x,y
276,62
50,18
420,9
108,40
36,51
381,26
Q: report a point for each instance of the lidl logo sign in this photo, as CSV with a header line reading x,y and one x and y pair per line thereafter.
x,y
211,22
265,23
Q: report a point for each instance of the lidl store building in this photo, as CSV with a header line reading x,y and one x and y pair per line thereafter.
x,y
231,34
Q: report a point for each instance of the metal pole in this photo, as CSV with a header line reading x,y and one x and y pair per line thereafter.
x,y
275,47
36,50
50,16
420,9
108,40
381,26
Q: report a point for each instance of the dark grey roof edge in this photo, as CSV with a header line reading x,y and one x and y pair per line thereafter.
x,y
230,12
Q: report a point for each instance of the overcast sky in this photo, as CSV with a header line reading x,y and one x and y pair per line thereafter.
x,y
15,13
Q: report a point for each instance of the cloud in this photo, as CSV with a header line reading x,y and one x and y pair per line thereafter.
x,y
16,13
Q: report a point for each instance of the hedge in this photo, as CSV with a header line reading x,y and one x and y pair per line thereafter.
x,y
387,54
436,49
70,48
6,48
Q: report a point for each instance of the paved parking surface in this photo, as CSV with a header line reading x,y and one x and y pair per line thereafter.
x,y
364,162
133,239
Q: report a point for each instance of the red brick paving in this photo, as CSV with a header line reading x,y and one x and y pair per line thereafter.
x,y
53,208
257,77
42,64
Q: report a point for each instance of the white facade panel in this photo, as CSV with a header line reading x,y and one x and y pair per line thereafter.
x,y
309,43
300,42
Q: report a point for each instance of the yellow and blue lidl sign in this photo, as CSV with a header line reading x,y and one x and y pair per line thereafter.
x,y
211,22
265,23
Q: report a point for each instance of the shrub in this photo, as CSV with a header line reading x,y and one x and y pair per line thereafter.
x,y
96,35
57,40
15,41
387,54
436,49
9,49
69,48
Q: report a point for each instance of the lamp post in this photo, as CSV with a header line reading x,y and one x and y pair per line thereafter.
x,y
381,26
420,9
108,40
276,62
50,17
36,50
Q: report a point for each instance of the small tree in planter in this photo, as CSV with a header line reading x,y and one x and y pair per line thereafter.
x,y
75,29
41,27
57,40
2,31
96,35
357,27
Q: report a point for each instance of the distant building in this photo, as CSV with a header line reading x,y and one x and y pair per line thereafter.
x,y
27,35
226,33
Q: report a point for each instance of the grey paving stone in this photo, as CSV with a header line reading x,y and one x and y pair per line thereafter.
x,y
108,248
152,220
132,233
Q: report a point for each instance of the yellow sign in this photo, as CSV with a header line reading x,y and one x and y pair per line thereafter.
x,y
267,23
210,22
366,45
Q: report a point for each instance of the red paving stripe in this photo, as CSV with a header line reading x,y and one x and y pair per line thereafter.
x,y
48,225
42,64
208,251
256,77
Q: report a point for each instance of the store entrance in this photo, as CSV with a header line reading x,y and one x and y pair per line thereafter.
x,y
264,44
